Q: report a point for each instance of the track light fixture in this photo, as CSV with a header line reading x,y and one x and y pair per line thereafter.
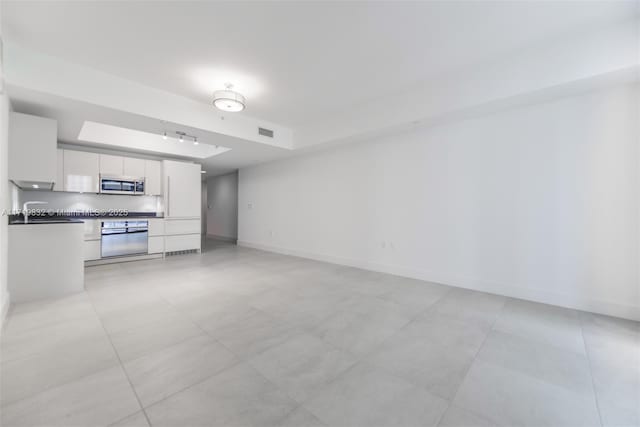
x,y
183,135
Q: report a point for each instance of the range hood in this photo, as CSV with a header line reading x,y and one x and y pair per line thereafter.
x,y
34,185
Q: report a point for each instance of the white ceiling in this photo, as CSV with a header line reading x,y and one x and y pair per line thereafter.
x,y
72,115
295,62
122,138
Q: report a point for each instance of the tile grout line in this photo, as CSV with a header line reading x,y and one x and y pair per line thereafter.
x,y
208,377
95,313
99,319
246,360
593,384
126,374
53,386
475,356
361,359
412,319
209,335
241,359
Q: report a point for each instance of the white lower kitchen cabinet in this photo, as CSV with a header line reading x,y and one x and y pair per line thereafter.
x,y
91,246
156,245
45,261
185,242
182,226
182,234
156,227
91,250
92,229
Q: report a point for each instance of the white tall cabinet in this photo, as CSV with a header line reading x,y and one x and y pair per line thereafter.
x,y
182,196
153,178
182,205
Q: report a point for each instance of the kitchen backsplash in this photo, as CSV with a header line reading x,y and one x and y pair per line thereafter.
x,y
84,202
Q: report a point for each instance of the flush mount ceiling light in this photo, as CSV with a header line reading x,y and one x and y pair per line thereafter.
x,y
228,100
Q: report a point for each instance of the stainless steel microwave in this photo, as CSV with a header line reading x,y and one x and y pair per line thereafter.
x,y
133,186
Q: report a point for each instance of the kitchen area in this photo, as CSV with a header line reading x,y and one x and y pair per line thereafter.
x,y
74,207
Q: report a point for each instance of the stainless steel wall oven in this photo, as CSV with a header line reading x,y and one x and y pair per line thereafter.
x,y
124,237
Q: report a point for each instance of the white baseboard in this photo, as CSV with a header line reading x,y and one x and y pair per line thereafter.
x,y
4,310
126,258
625,311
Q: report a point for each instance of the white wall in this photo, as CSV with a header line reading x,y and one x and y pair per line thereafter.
x,y
5,203
538,202
222,202
543,70
63,201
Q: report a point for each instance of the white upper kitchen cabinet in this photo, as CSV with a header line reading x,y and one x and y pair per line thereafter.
x,y
32,151
111,165
81,170
134,167
153,177
59,184
182,189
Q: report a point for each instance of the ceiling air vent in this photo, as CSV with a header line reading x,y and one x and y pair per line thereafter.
x,y
265,132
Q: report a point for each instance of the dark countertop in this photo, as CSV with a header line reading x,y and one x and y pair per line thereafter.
x,y
115,215
34,221
78,217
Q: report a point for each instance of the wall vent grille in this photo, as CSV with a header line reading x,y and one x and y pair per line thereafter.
x,y
265,132
189,251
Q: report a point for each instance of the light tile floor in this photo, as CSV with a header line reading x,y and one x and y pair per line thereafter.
x,y
240,337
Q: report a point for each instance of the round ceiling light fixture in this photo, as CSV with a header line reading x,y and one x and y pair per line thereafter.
x,y
228,100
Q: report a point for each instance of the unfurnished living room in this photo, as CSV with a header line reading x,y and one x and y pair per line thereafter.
x,y
319,213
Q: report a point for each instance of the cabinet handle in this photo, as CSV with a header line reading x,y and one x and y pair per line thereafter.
x,y
168,196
